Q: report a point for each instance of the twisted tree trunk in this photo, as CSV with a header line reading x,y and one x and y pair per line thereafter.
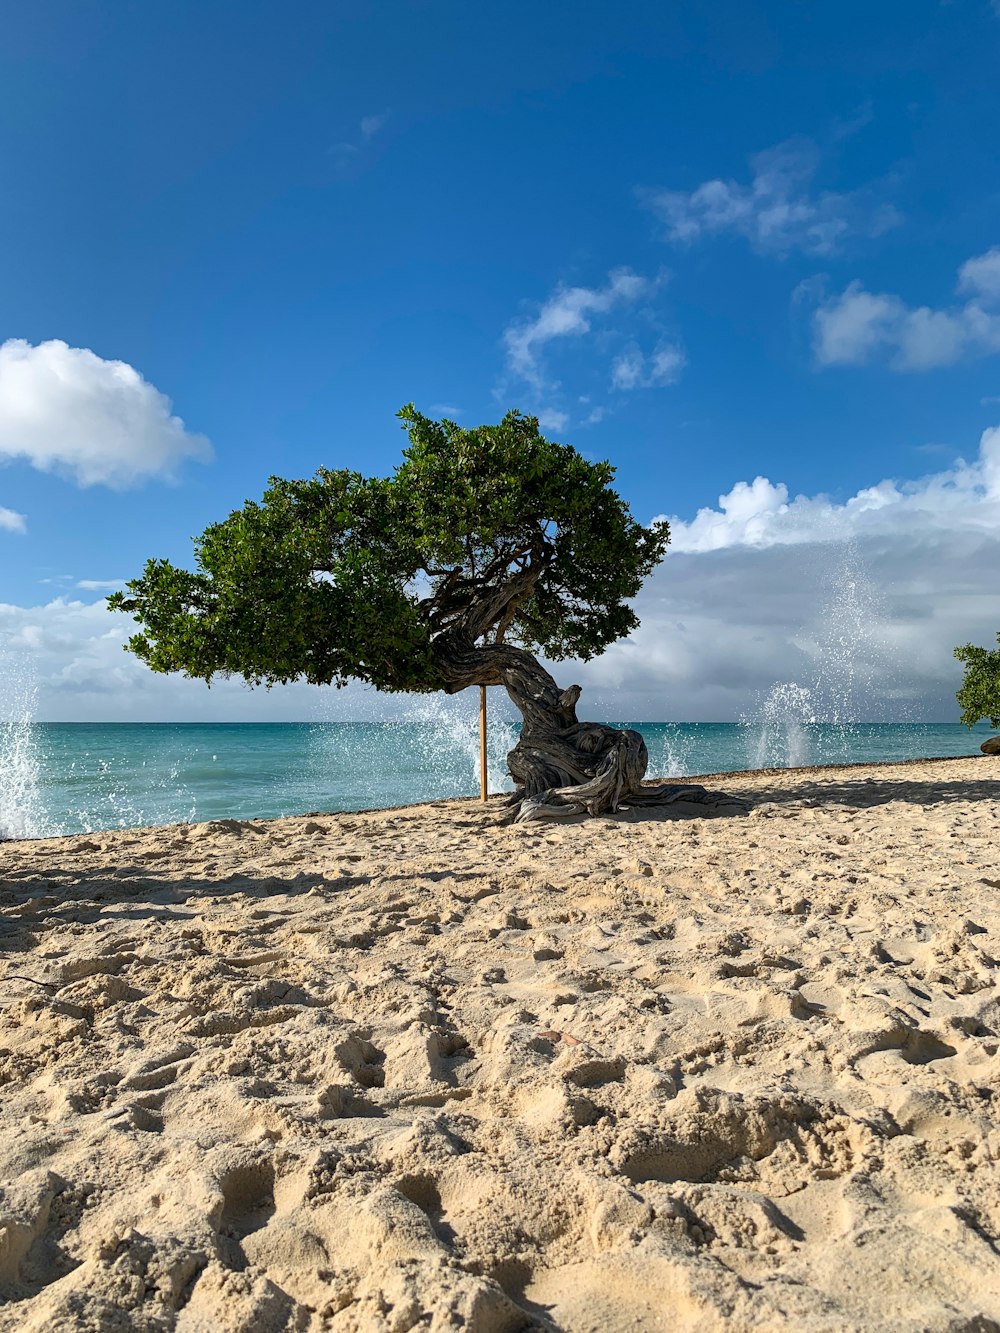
x,y
561,766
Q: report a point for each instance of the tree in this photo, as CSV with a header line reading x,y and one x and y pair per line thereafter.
x,y
979,696
485,547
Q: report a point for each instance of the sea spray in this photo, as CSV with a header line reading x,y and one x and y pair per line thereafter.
x,y
668,746
21,809
777,737
428,751
124,790
854,664
446,733
850,671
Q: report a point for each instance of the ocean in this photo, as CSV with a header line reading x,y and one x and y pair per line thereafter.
x,y
81,777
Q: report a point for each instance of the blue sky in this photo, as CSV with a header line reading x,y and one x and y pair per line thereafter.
x,y
709,242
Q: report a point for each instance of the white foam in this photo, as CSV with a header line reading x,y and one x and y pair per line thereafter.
x,y
849,660
22,813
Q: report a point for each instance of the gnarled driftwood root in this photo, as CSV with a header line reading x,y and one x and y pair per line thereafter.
x,y
563,767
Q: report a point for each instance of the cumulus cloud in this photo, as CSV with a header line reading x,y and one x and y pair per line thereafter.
x,y
11,521
66,410
778,211
981,275
72,651
67,655
964,498
857,326
634,370
568,313
861,602
866,626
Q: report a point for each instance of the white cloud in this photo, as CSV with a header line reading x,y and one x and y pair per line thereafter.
x,y
627,370
777,211
850,327
965,498
721,629
68,654
633,370
552,419
862,602
872,593
11,521
100,585
370,125
347,151
981,275
568,313
857,326
65,409
73,652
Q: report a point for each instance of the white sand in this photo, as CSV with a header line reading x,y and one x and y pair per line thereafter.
x,y
410,1069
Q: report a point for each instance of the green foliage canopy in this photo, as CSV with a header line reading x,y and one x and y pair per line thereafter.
x,y
979,696
483,535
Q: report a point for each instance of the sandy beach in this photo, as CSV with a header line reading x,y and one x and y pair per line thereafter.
x,y
416,1069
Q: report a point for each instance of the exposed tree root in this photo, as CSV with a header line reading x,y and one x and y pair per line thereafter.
x,y
563,767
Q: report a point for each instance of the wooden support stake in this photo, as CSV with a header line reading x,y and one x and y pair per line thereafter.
x,y
484,784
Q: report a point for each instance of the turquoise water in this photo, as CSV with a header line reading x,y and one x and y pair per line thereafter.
x,y
80,777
